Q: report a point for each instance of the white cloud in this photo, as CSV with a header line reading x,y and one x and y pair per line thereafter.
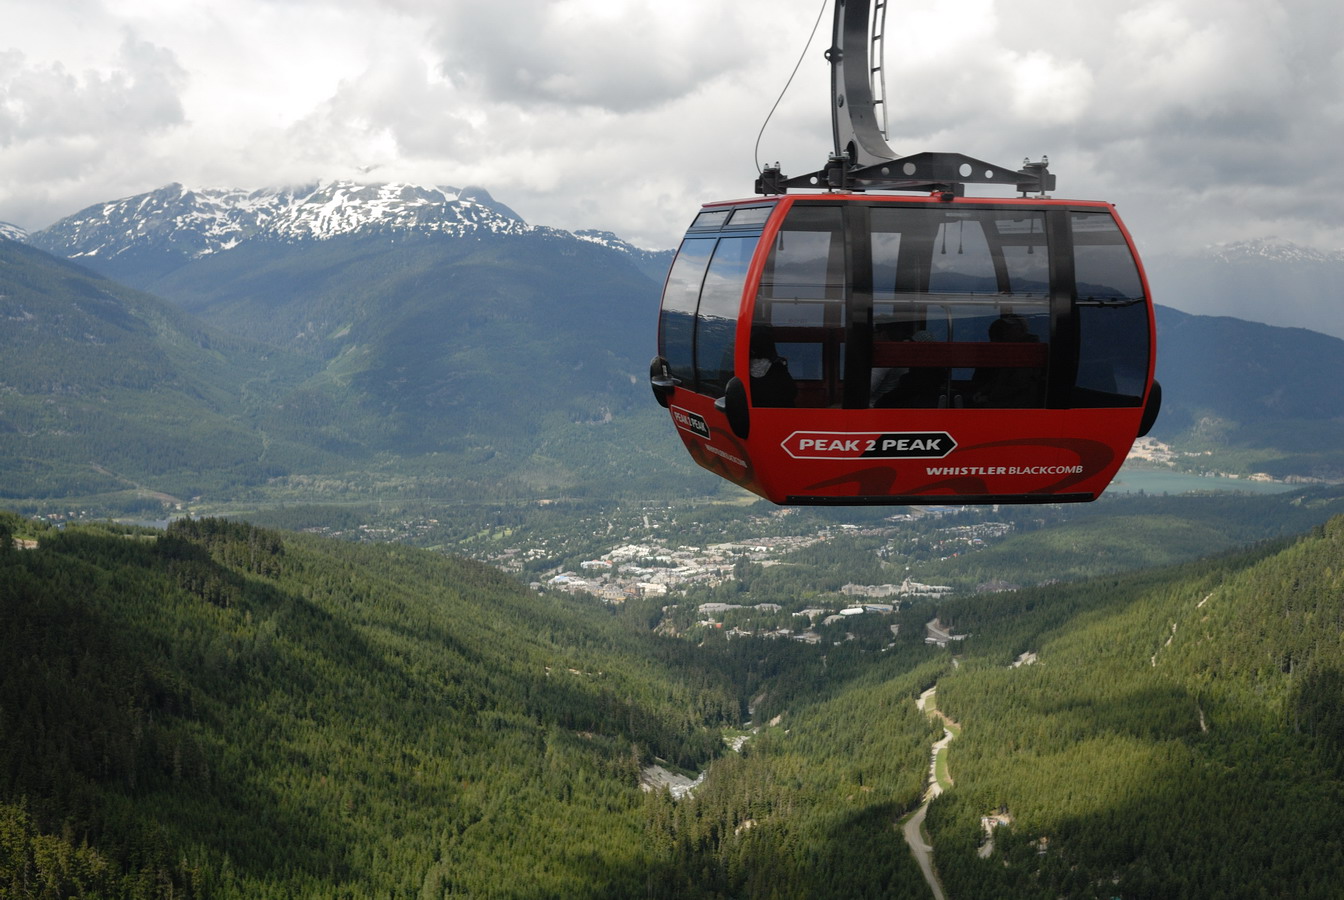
x,y
60,128
1048,89
47,102
578,53
1205,121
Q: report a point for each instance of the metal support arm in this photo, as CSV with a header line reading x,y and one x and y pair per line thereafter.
x,y
862,159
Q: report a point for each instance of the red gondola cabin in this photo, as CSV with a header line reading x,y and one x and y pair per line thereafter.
x,y
853,348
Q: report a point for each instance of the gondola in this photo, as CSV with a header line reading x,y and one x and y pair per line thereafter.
x,y
886,339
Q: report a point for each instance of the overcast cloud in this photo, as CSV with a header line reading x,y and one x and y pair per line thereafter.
x,y
1206,121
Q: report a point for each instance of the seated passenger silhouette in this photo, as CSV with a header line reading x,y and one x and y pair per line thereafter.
x,y
771,383
921,387
884,379
1008,387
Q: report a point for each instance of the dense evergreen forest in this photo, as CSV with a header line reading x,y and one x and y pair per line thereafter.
x,y
1180,735
220,710
223,711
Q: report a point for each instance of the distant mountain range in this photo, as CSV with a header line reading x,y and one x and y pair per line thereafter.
x,y
1265,281
338,326
427,323
198,222
1270,250
105,390
176,223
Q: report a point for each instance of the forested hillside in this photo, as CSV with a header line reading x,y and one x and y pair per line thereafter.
x,y
1180,734
445,325
1257,398
223,711
220,711
118,401
427,367
1169,734
104,390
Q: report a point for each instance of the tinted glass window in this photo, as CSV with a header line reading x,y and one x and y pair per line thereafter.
x,y
711,219
960,307
958,250
1112,315
749,216
716,321
798,331
676,325
1105,268
802,318
807,260
1020,238
968,268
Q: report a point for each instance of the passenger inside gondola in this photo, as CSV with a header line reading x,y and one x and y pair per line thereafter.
x,y
884,379
1008,387
920,387
771,383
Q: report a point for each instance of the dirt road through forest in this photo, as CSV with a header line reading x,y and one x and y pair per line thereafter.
x,y
913,829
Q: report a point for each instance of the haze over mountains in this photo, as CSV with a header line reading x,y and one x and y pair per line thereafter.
x,y
1265,280
342,327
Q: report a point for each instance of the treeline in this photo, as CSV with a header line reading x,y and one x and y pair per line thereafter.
x,y
219,710
810,807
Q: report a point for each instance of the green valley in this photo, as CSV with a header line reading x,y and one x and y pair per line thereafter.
x,y
219,710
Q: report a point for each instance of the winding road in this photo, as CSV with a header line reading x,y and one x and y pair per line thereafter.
x,y
913,829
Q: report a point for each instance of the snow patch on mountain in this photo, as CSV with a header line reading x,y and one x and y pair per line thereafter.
x,y
654,263
10,232
604,238
612,242
197,223
1272,250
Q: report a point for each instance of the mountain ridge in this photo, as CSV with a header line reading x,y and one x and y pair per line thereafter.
x,y
197,223
474,364
1257,280
1271,249
193,223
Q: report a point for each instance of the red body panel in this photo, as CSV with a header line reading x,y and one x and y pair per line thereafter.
x,y
1003,456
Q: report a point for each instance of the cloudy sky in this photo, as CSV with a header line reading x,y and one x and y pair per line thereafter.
x,y
1206,121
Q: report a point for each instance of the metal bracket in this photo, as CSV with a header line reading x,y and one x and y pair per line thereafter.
x,y
933,171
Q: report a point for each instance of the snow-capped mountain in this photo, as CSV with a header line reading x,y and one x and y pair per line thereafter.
x,y
197,223
177,223
1273,251
1263,280
10,232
